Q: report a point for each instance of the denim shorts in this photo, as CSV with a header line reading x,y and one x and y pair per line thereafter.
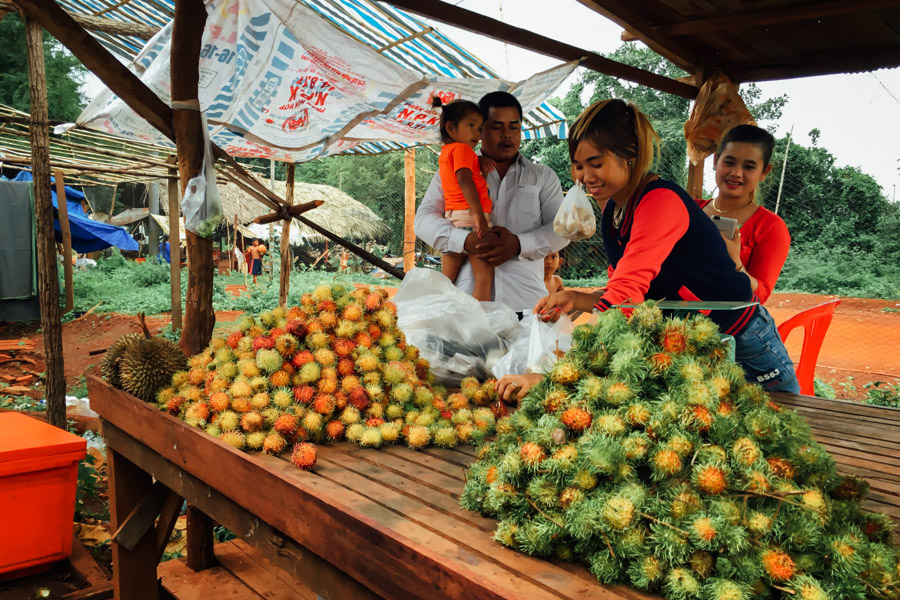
x,y
760,351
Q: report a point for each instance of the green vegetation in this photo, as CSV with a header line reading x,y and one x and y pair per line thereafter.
x,y
65,73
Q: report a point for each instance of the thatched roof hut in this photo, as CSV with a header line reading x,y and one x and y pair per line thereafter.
x,y
340,214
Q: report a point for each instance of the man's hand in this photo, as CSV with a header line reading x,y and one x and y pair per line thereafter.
x,y
494,249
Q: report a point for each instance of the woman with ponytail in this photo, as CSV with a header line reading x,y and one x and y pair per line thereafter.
x,y
660,244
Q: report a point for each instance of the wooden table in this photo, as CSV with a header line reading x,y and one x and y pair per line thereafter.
x,y
368,523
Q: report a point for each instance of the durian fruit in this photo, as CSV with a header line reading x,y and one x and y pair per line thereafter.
x,y
148,363
109,365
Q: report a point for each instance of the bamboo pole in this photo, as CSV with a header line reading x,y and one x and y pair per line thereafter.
x,y
199,317
285,286
409,235
175,248
66,233
48,282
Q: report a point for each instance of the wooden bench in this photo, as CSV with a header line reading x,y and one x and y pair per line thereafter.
x,y
367,523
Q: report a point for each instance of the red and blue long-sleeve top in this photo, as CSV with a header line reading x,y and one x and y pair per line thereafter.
x,y
666,248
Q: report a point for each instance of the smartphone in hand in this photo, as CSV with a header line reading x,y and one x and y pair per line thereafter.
x,y
726,225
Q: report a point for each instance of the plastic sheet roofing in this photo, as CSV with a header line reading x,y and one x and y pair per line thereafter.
x,y
400,36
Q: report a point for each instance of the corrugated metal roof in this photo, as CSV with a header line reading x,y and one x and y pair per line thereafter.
x,y
398,35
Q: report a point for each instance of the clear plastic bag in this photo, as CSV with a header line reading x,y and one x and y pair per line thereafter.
x,y
450,328
575,218
534,350
201,205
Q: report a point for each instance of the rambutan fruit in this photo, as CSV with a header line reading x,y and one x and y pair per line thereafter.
x,y
394,412
618,512
227,371
532,454
251,421
324,404
287,425
576,419
373,301
370,438
218,384
297,328
234,439
710,479
667,462
363,339
280,379
197,376
325,357
255,439
673,339
245,344
173,405
618,393
310,373
268,361
317,340
255,332
218,402
286,345
782,467
700,418
745,451
248,367
321,293
340,399
274,443
262,342
759,523
359,398
366,362
234,339
312,423
346,367
777,564
354,432
638,414
196,412
259,384
240,388
423,396
445,437
371,378
282,398
390,433
350,415
610,424
457,401
327,384
418,437
385,319
334,431
402,393
328,319
352,312
304,394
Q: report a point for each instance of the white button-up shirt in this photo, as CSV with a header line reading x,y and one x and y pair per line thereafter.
x,y
525,201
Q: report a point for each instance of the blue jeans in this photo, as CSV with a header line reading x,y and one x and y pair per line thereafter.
x,y
759,350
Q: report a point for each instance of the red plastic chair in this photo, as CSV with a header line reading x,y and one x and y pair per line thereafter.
x,y
815,322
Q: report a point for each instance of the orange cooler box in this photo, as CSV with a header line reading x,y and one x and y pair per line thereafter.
x,y
38,478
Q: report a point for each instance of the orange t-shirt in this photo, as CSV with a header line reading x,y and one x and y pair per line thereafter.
x,y
456,156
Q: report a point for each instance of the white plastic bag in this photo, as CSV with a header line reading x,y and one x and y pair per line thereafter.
x,y
450,328
575,218
201,205
534,350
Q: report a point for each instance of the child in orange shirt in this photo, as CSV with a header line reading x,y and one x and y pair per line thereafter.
x,y
467,203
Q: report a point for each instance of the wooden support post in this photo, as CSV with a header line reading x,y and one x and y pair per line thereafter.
x,y
175,248
66,232
48,281
134,575
286,261
695,179
409,214
199,540
199,318
153,231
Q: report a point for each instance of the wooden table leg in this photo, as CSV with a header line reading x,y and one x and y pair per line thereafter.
x,y
199,540
134,571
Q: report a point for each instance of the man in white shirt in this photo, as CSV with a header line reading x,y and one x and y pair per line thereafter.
x,y
525,196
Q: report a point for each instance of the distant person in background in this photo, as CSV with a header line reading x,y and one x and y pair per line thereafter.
x,y
761,242
165,250
256,252
551,279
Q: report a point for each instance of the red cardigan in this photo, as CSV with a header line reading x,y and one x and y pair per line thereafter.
x,y
765,241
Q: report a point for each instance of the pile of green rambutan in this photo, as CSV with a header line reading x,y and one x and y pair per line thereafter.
x,y
646,455
336,367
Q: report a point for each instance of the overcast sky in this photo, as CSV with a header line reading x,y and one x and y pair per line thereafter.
x,y
858,115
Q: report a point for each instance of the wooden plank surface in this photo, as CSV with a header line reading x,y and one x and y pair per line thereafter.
x,y
381,515
250,567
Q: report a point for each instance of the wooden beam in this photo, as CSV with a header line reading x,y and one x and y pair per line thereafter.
x,y
174,249
286,259
291,211
101,25
66,233
825,63
199,317
695,179
168,515
142,518
743,19
48,281
622,13
409,212
200,540
494,29
134,572
116,76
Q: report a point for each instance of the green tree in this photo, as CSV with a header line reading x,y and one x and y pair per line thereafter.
x,y
65,73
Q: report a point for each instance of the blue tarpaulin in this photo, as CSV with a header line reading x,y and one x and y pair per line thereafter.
x,y
87,235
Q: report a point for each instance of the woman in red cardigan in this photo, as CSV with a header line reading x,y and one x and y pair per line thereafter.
x,y
760,245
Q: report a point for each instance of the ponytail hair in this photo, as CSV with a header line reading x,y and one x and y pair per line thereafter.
x,y
620,129
453,112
